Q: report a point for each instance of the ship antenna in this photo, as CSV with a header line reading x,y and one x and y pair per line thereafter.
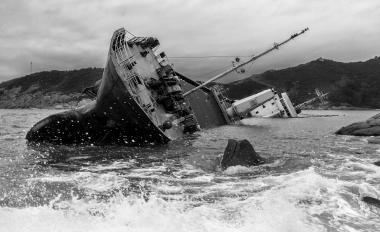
x,y
275,46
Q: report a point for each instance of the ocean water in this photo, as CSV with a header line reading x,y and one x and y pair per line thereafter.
x,y
315,181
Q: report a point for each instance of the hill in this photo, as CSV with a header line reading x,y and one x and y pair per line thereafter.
x,y
46,89
49,81
356,83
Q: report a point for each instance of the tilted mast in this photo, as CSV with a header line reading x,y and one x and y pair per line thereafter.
x,y
275,46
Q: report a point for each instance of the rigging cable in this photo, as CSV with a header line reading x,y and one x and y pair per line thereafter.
x,y
212,71
130,33
221,69
249,69
200,57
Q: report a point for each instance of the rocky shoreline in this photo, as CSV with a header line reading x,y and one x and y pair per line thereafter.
x,y
369,127
13,99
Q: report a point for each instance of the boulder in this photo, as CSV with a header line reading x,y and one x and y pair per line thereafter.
x,y
369,127
240,152
371,201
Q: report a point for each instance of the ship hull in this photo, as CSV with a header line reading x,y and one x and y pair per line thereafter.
x,y
114,118
116,104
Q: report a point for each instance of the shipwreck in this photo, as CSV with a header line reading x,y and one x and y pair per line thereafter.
x,y
141,99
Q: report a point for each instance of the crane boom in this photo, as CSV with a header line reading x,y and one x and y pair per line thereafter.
x,y
275,46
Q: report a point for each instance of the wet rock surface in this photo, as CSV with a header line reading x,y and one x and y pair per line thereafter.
x,y
372,201
240,152
369,127
377,163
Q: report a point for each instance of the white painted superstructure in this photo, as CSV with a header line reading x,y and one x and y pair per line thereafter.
x,y
280,107
264,104
245,105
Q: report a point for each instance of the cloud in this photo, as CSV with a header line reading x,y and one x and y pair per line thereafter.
x,y
73,34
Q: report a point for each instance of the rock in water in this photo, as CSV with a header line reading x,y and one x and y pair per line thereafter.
x,y
372,201
370,127
240,153
375,140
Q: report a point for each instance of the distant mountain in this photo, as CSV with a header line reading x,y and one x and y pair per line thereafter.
x,y
50,81
354,84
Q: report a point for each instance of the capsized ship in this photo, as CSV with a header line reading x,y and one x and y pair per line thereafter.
x,y
140,99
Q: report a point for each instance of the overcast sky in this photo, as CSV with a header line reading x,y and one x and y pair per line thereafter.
x,y
74,34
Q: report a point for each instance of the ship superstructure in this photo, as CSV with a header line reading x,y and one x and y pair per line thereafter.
x,y
148,85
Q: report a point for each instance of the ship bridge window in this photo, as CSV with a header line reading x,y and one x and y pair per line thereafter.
x,y
118,41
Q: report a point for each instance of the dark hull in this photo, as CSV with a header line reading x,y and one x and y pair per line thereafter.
x,y
113,118
117,105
